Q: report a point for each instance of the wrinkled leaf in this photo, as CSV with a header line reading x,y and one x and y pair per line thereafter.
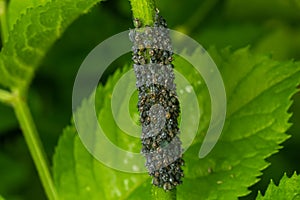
x,y
32,36
17,8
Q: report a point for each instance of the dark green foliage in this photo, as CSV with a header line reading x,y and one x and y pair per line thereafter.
x,y
260,81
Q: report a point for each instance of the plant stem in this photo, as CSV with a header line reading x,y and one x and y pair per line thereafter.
x,y
3,21
5,96
160,194
34,144
144,10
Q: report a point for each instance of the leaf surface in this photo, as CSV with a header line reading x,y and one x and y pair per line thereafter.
x,y
288,188
31,37
258,93
79,176
17,8
258,96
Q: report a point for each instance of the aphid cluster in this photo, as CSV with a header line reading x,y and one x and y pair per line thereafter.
x,y
158,103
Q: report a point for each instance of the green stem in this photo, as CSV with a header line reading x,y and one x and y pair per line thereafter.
x,y
3,21
5,96
35,146
144,10
160,194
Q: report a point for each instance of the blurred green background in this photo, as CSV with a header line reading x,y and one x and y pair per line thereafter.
x,y
268,27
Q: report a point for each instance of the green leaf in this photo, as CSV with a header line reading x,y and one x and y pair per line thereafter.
x,y
258,92
32,36
258,97
288,188
78,175
17,8
1,198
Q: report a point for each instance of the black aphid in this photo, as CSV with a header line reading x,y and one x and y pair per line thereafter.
x,y
158,102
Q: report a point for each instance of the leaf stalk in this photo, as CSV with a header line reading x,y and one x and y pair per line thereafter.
x,y
34,144
6,97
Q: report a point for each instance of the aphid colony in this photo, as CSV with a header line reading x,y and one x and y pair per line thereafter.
x,y
158,102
